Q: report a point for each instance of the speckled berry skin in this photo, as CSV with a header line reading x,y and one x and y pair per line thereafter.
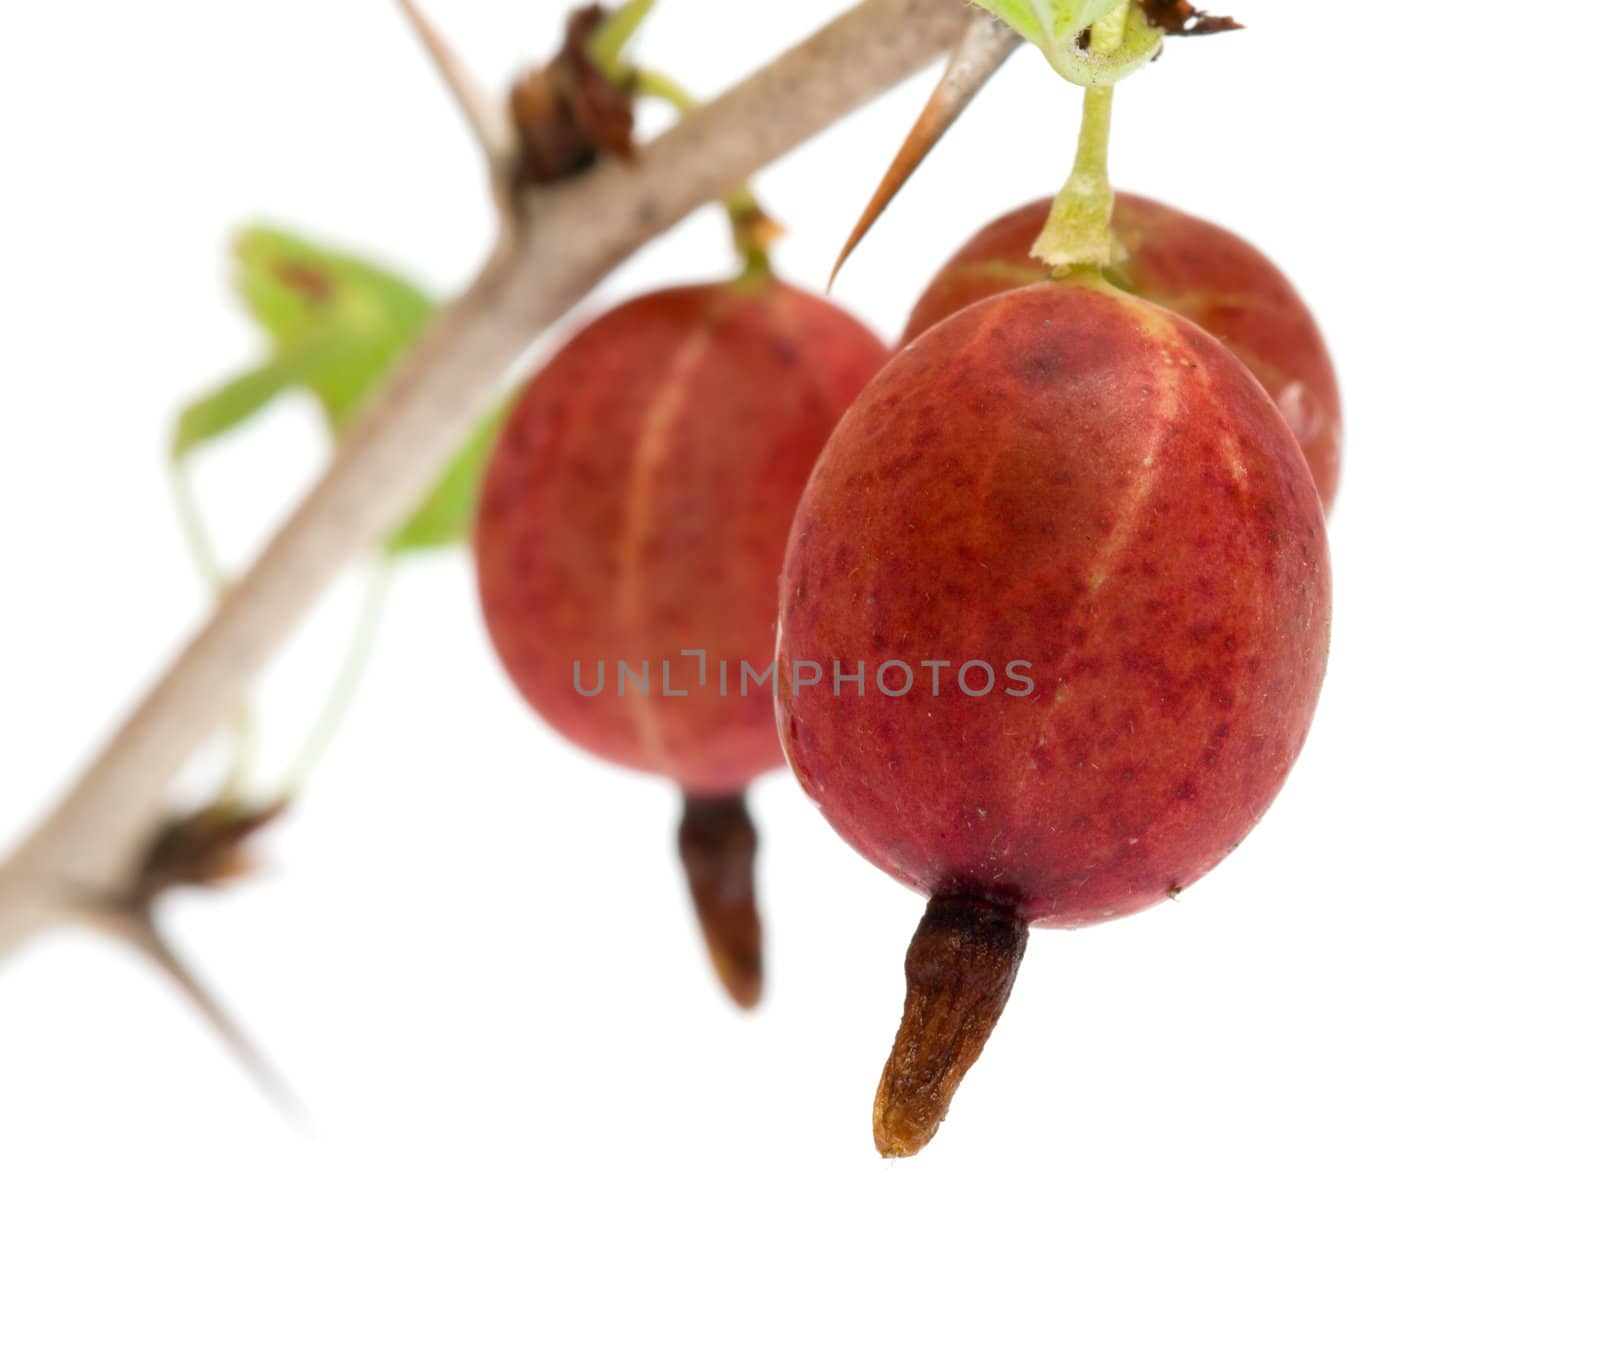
x,y
1209,275
1073,477
637,506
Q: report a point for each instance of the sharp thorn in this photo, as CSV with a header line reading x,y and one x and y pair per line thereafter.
x,y
982,50
139,932
488,120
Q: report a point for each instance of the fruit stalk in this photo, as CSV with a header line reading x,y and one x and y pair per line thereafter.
x,y
605,46
717,843
1078,232
960,968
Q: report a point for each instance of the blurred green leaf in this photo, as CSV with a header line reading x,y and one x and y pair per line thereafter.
x,y
296,289
223,409
446,516
338,324
289,284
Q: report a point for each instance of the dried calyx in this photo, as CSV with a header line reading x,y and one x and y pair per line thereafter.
x,y
571,111
1179,18
717,843
205,849
960,969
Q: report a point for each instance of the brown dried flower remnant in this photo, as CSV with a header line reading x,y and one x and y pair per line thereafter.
x,y
959,972
1179,18
567,113
718,844
201,850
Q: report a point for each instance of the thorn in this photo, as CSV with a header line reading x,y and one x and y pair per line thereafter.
x,y
982,50
488,120
138,931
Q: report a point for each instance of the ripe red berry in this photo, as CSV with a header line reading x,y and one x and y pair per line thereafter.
x,y
1211,276
634,514
1069,478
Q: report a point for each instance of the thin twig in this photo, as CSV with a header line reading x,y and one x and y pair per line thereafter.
x,y
347,681
487,117
192,523
88,847
208,566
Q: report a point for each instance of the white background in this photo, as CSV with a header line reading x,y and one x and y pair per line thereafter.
x,y
1342,1091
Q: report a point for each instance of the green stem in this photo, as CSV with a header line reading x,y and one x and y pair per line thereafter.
x,y
192,521
1077,235
208,565
357,658
607,42
653,84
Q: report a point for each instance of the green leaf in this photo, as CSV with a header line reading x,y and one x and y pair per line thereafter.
x,y
1019,14
371,316
446,516
337,324
225,408
290,283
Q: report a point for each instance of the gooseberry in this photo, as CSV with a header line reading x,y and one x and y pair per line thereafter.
x,y
1076,560
629,540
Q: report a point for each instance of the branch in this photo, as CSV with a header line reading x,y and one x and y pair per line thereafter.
x,y
566,238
